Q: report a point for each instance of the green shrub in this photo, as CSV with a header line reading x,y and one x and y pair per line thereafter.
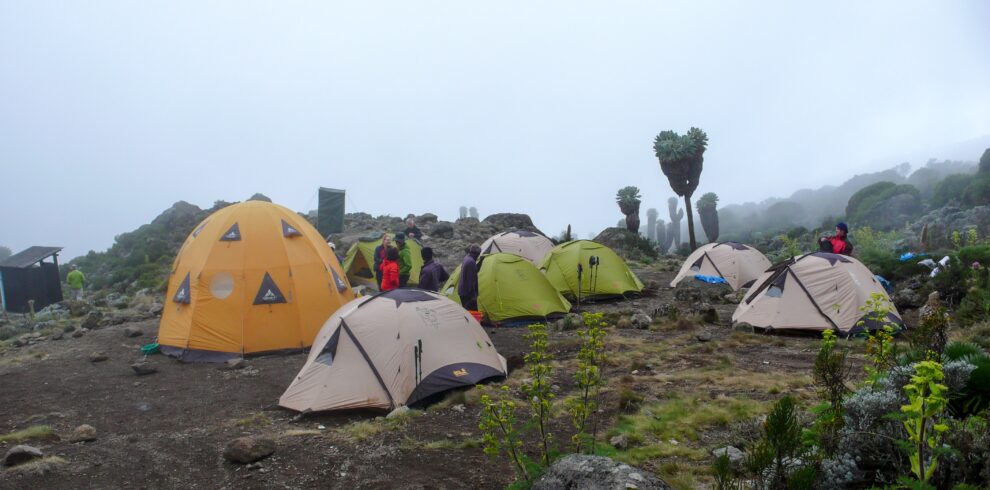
x,y
950,188
7,332
977,192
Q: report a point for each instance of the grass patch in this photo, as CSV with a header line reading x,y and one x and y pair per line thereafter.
x,y
683,418
301,432
40,466
257,419
452,444
359,431
35,432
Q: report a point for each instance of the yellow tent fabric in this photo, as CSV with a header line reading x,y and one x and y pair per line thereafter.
x,y
610,278
510,286
360,260
252,277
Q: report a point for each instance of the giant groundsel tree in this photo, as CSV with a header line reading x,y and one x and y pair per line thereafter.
x,y
681,160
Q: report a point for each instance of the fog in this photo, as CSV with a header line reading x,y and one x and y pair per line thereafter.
x,y
112,111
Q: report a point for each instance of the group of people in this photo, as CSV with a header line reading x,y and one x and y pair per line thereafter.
x,y
393,265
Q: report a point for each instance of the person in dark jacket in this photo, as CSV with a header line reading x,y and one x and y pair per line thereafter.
x,y
839,243
381,252
411,228
467,284
390,270
405,259
432,275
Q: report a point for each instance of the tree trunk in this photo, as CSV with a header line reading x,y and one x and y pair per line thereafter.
x,y
632,223
690,218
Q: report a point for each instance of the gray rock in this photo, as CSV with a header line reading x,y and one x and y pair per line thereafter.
x,y
736,456
57,336
21,454
641,321
132,332
707,312
742,327
18,343
78,333
92,320
98,357
156,308
398,412
703,337
570,321
83,433
511,222
442,229
234,364
907,298
245,450
620,442
143,368
426,219
579,471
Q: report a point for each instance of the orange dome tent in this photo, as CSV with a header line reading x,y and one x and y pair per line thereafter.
x,y
252,277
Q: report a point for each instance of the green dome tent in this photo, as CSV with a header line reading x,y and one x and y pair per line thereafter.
x,y
510,286
361,258
611,276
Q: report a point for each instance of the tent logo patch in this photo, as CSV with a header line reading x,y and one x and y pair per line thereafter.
x,y
232,235
269,293
288,230
460,373
182,294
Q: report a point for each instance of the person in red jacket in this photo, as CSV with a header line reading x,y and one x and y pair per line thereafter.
x,y
838,244
390,270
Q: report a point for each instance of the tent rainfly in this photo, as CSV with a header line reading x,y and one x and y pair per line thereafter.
x,y
391,349
814,292
526,244
511,287
603,273
360,260
738,264
253,277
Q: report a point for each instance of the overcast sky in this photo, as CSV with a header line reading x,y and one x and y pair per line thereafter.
x,y
112,111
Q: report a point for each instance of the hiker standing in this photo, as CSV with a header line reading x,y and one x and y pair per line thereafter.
x,y
405,259
381,252
467,284
433,275
839,243
411,228
76,280
390,270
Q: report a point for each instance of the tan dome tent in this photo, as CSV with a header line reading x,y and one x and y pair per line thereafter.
x,y
252,277
526,244
813,292
740,265
395,348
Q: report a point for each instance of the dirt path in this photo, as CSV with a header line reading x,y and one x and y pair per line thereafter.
x,y
168,429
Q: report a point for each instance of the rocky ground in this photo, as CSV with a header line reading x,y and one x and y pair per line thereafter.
x,y
677,390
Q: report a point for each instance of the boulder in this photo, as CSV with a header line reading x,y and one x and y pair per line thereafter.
x,y
570,321
92,320
426,219
83,433
259,197
398,412
641,321
703,337
132,332
579,471
143,368
736,456
511,222
907,298
620,442
21,454
442,229
245,450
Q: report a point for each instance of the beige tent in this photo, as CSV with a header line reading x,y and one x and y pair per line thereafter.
x,y
738,264
526,244
391,349
813,292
